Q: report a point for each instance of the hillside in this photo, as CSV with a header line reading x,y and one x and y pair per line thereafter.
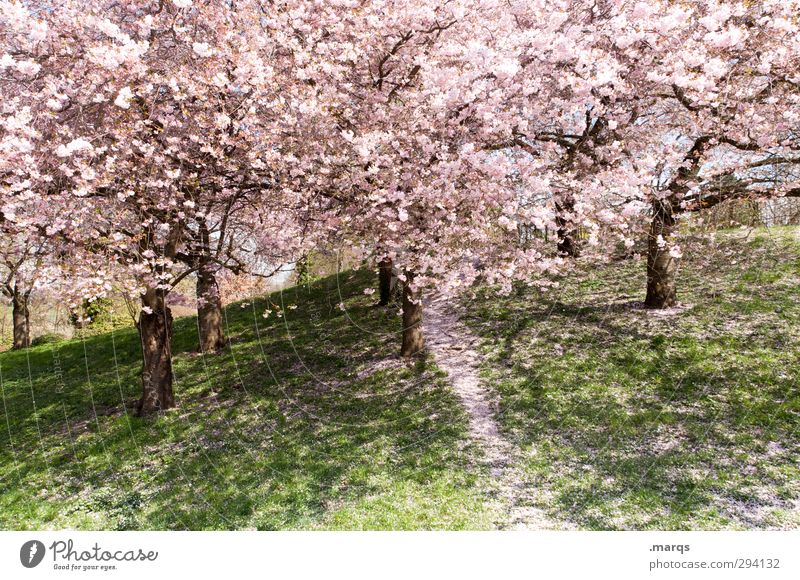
x,y
622,418
300,424
637,419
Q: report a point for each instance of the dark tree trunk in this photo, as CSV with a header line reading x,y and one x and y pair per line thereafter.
x,y
413,340
661,265
567,232
385,281
21,317
567,244
155,331
209,311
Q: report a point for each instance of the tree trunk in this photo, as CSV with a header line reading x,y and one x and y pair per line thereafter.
x,y
567,232
21,317
155,331
385,281
209,311
567,244
413,340
661,265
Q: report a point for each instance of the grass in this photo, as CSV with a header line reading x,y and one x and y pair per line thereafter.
x,y
303,423
625,419
633,420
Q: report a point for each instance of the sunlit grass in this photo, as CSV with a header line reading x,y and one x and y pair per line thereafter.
x,y
631,419
626,419
296,425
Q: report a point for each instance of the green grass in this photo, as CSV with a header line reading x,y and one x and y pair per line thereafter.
x,y
626,419
631,420
306,422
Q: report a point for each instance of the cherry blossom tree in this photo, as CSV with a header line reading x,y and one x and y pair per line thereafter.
x,y
718,96
21,263
154,123
413,179
190,138
647,103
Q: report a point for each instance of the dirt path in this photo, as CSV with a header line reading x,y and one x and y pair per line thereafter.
x,y
452,345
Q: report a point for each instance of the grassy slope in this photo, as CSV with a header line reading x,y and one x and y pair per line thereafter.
x,y
628,420
293,427
634,421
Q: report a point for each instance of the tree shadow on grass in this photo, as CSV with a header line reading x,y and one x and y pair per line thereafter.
x,y
287,428
635,421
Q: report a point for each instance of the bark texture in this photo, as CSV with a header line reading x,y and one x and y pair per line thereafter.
x,y
661,265
385,281
209,311
413,339
155,331
567,232
21,318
